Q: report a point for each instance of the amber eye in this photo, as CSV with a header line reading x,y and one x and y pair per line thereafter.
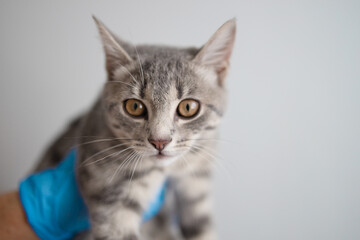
x,y
188,108
135,108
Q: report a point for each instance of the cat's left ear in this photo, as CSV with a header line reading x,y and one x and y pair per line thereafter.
x,y
217,51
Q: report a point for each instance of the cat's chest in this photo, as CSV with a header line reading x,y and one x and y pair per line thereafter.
x,y
148,185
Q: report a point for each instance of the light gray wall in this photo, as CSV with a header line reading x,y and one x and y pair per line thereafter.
x,y
291,137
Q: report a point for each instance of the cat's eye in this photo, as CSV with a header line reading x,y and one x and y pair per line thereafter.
x,y
188,108
135,108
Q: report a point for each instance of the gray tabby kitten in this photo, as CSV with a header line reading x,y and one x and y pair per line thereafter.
x,y
155,121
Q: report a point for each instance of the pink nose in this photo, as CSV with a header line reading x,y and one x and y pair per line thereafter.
x,y
159,144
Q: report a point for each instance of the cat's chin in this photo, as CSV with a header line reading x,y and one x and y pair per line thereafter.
x,y
164,159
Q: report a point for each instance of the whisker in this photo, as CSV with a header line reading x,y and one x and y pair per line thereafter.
x,y
112,154
127,70
215,161
128,157
188,165
137,160
89,136
116,81
100,140
217,156
212,154
211,139
142,158
141,69
202,156
128,161
102,151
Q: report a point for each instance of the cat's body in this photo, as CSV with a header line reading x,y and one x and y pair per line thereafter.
x,y
155,122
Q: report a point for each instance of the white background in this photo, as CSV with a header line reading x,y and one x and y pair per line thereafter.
x,y
291,135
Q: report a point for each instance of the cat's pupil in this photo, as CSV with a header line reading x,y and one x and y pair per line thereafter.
x,y
135,106
187,107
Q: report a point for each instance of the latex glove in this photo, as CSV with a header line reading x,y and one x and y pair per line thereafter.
x,y
54,207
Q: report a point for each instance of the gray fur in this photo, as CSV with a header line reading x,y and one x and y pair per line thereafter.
x,y
118,169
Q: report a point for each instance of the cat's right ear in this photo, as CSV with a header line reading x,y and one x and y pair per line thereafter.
x,y
116,56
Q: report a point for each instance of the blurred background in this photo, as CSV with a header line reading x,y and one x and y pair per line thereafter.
x,y
291,135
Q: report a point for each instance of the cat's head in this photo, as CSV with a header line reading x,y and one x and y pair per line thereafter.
x,y
163,100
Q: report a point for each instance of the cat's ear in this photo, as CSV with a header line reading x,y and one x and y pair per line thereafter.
x,y
217,51
116,55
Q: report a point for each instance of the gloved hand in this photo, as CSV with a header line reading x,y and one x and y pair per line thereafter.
x,y
53,205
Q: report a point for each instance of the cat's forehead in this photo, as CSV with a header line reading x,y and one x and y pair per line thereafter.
x,y
164,63
165,71
167,78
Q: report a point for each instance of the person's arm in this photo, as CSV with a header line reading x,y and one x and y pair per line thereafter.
x,y
49,205
13,222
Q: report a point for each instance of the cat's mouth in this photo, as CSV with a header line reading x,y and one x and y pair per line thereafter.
x,y
161,155
164,159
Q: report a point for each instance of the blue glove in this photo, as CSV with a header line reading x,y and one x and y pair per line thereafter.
x,y
54,207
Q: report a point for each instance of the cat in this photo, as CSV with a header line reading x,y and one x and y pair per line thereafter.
x,y
155,122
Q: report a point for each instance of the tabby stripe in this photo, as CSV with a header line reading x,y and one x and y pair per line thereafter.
x,y
101,238
112,105
132,205
108,196
104,199
160,219
214,109
98,217
130,237
194,200
140,174
202,174
179,89
143,88
196,227
198,123
210,128
83,174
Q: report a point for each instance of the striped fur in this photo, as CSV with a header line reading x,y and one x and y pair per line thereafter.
x,y
118,169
